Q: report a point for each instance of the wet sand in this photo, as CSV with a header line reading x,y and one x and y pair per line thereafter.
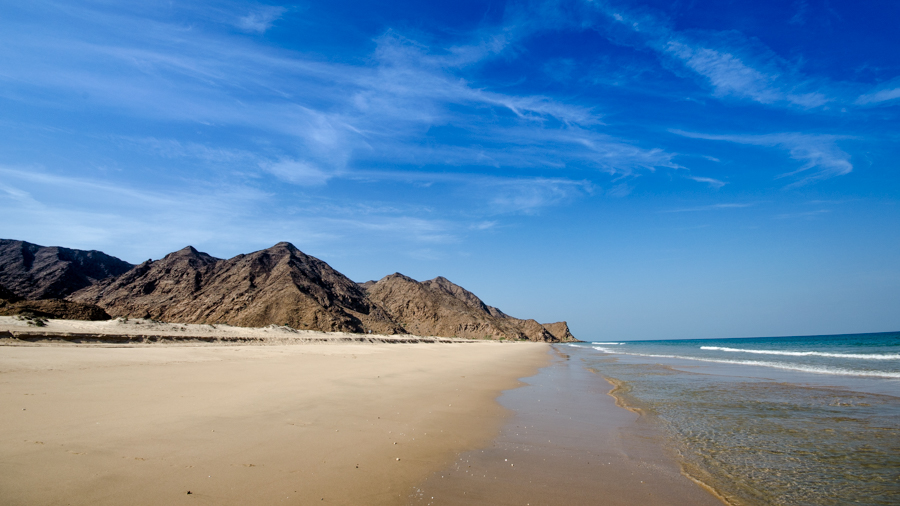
x,y
567,444
269,424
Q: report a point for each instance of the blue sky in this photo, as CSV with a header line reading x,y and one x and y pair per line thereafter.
x,y
643,169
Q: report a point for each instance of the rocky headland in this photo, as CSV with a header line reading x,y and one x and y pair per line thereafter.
x,y
438,307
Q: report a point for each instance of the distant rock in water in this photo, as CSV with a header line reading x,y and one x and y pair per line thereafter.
x,y
279,285
439,307
40,272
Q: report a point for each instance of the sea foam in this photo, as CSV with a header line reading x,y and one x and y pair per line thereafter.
x,y
860,356
788,366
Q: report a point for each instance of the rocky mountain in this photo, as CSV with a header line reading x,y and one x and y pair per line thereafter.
x,y
40,272
438,307
279,285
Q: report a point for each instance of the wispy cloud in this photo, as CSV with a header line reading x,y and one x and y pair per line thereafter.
x,y
730,75
530,195
260,19
712,207
713,183
733,65
484,225
821,156
727,73
406,111
328,115
804,214
132,222
136,221
492,195
298,172
53,209
175,149
891,92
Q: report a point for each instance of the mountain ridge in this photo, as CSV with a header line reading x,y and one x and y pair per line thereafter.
x,y
278,285
32,271
440,307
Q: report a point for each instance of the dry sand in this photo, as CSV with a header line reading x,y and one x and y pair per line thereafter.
x,y
144,331
277,424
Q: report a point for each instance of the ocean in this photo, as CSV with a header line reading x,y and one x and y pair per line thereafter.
x,y
812,420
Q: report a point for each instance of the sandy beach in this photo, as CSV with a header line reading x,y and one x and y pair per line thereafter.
x,y
292,424
178,414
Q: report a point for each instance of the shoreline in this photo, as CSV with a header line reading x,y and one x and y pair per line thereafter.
x,y
752,435
620,392
567,443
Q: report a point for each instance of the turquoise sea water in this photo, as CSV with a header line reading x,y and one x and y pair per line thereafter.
x,y
809,420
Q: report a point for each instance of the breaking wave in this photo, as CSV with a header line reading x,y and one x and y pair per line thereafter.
x,y
837,371
860,356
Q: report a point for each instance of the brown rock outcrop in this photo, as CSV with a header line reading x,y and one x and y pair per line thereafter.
x,y
439,307
279,285
39,272
560,330
11,305
7,295
54,308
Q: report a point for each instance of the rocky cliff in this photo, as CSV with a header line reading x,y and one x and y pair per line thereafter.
x,y
560,330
